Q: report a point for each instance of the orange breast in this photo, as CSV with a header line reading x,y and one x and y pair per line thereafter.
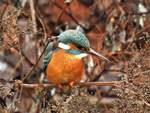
x,y
64,68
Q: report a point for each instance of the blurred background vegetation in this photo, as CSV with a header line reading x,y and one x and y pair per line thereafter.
x,y
120,29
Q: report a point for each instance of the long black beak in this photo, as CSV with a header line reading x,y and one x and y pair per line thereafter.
x,y
92,51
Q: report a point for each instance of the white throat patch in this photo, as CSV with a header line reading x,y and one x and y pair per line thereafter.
x,y
82,55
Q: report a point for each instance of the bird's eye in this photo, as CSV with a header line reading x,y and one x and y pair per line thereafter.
x,y
81,48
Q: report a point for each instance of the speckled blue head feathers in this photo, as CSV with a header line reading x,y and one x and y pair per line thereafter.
x,y
74,36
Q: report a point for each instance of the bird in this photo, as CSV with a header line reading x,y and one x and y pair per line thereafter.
x,y
63,61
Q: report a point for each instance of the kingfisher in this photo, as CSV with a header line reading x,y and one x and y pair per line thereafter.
x,y
64,61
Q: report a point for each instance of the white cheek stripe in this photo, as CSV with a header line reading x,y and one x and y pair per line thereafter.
x,y
82,55
63,46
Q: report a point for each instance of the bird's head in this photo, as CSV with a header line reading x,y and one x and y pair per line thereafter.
x,y
77,38
74,37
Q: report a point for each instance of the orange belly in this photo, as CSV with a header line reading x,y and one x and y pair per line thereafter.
x,y
64,68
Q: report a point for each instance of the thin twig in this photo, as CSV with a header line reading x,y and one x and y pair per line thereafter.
x,y
143,72
43,26
140,96
25,57
88,84
21,56
142,30
81,84
33,16
69,14
32,69
19,63
140,13
61,13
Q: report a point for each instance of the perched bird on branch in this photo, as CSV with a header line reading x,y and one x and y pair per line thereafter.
x,y
64,60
